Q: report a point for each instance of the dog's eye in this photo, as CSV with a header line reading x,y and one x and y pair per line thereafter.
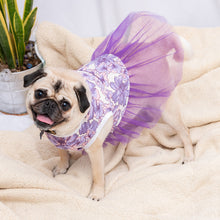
x,y
39,94
65,105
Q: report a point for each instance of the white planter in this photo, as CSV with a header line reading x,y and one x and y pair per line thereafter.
x,y
12,92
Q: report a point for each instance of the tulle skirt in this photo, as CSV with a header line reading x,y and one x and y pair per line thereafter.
x,y
153,56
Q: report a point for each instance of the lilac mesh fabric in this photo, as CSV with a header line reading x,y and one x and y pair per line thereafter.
x,y
153,56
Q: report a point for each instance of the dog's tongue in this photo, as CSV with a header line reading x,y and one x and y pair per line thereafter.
x,y
45,119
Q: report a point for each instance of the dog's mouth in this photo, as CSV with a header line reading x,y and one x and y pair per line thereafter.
x,y
44,119
46,114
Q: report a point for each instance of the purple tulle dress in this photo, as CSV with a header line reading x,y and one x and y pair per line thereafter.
x,y
150,53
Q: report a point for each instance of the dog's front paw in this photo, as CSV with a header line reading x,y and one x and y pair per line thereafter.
x,y
188,158
96,193
60,169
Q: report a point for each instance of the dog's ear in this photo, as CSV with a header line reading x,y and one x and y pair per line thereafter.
x,y
33,77
82,98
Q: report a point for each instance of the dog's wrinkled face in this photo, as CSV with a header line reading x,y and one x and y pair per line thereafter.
x,y
57,100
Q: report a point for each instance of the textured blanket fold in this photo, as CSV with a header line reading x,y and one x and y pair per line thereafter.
x,y
145,179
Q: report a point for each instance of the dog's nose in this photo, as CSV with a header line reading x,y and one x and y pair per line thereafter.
x,y
50,105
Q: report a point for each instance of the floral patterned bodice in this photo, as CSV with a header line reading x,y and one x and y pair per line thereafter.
x,y
108,80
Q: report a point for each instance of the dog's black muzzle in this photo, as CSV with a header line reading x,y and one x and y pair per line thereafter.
x,y
48,108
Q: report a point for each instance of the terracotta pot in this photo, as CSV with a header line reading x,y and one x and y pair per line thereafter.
x,y
12,92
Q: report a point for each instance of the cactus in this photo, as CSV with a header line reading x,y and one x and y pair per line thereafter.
x,y
15,33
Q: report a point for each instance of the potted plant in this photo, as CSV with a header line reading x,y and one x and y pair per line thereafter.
x,y
17,54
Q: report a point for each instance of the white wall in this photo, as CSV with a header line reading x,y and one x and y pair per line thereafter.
x,y
98,17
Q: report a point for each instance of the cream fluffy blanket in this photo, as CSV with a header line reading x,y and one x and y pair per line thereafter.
x,y
145,180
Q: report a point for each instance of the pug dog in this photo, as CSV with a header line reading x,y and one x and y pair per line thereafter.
x,y
62,101
59,99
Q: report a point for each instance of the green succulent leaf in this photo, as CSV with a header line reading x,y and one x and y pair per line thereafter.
x,y
2,8
29,23
28,5
1,55
12,8
19,37
6,43
15,31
